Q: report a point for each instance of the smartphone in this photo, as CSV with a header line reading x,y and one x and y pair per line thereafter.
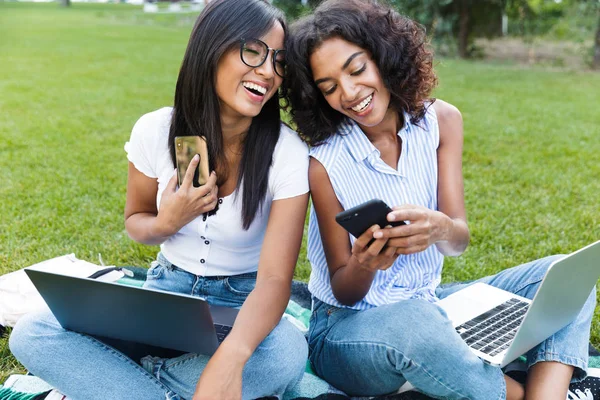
x,y
357,220
186,147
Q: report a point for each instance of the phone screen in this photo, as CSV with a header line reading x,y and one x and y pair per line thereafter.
x,y
186,147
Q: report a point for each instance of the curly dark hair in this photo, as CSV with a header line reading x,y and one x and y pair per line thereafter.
x,y
397,44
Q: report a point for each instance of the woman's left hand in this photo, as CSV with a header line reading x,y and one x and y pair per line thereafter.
x,y
426,227
221,379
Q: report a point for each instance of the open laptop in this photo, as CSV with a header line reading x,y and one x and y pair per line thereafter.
x,y
500,326
154,317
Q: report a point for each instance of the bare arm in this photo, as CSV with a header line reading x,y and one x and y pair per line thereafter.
x,y
263,308
447,227
451,194
351,268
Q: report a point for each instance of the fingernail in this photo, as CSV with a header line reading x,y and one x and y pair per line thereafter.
x,y
196,157
378,235
391,217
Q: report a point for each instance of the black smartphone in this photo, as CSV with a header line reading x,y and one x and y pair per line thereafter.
x,y
357,220
186,147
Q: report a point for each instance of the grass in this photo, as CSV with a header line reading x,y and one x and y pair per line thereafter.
x,y
74,81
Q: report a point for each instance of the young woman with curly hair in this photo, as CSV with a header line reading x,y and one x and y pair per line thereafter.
x,y
233,241
359,82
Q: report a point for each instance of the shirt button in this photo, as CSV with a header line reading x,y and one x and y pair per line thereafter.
x,y
204,218
202,260
206,242
220,201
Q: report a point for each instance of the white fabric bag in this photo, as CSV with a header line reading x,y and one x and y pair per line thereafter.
x,y
18,296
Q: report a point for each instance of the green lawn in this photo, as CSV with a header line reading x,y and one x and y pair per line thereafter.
x,y
74,81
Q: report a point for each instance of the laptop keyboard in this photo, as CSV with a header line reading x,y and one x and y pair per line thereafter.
x,y
493,331
222,331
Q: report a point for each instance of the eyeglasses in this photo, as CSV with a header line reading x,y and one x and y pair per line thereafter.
x,y
254,53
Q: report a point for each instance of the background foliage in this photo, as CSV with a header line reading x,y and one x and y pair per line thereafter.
x,y
455,24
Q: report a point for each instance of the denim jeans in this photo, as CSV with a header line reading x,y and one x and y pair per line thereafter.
x,y
374,352
87,368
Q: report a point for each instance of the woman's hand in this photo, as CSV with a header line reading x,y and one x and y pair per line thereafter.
x,y
426,227
372,254
180,207
222,378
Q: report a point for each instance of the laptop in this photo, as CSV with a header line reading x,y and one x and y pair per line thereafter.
x,y
153,317
500,326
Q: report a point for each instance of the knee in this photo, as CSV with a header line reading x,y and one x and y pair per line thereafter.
x,y
420,309
419,325
544,263
24,336
418,314
19,339
532,274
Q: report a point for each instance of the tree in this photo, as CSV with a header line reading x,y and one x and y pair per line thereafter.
x,y
65,3
461,19
596,61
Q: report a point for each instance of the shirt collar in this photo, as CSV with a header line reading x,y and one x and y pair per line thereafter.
x,y
358,143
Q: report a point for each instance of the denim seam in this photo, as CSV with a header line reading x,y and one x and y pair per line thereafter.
x,y
159,274
128,360
233,290
542,356
528,283
196,288
388,347
182,361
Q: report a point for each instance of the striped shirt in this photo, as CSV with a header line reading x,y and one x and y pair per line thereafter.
x,y
358,174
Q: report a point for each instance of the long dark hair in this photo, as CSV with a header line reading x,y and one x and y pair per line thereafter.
x,y
196,111
397,45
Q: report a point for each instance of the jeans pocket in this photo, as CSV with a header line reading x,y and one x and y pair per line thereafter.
x,y
312,323
336,314
156,271
241,285
318,322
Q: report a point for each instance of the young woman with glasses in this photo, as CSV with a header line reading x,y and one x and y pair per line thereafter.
x,y
234,240
359,83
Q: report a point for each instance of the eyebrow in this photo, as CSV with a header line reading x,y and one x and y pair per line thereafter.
x,y
348,61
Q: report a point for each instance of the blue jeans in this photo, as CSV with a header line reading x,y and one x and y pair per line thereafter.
x,y
87,368
374,352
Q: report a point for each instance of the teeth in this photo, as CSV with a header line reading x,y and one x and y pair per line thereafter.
x,y
254,86
363,104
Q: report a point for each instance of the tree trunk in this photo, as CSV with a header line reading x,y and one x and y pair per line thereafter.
x,y
65,3
464,28
596,62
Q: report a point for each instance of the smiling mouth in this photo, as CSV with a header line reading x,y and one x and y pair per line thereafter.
x,y
363,104
254,88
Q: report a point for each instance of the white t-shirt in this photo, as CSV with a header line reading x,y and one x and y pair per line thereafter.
x,y
218,244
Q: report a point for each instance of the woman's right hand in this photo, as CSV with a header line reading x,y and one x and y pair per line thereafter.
x,y
179,207
372,254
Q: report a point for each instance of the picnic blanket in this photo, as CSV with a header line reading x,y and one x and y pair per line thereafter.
x,y
20,387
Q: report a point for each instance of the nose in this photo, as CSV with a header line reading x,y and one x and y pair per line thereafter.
x,y
349,90
266,69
